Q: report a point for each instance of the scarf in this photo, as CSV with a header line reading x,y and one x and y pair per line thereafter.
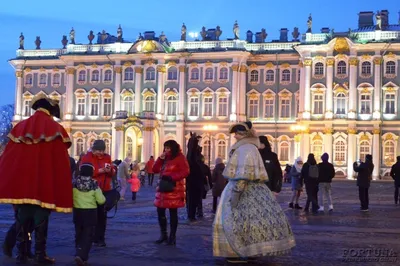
x,y
85,183
297,166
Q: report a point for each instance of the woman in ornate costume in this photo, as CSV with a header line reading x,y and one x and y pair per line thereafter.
x,y
249,222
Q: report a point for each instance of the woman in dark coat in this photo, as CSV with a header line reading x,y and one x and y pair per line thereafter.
x,y
271,164
310,177
218,182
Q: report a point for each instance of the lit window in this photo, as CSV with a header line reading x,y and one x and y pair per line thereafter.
x,y
269,76
390,103
318,104
365,148
206,147
107,107
172,105
81,107
221,149
208,104
269,108
317,149
340,104
319,69
94,106
341,68
150,73
127,103
223,73
284,152
389,152
209,74
254,76
128,74
149,104
194,106
340,151
366,68
128,147
222,106
390,67
253,108
365,105
285,108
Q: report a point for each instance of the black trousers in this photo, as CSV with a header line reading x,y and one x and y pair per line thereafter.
x,y
364,197
83,240
312,196
134,195
193,201
199,210
215,204
173,216
396,194
151,178
100,230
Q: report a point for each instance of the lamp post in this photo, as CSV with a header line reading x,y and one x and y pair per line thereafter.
x,y
209,129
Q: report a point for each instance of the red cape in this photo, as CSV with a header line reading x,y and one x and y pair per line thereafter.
x,y
34,168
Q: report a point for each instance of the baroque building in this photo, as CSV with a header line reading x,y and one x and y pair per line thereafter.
x,y
334,92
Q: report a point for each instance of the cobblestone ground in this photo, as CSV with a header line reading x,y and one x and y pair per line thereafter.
x,y
322,239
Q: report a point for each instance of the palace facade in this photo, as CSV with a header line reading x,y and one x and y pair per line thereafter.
x,y
334,92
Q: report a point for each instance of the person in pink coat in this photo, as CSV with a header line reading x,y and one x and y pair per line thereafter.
x,y
135,182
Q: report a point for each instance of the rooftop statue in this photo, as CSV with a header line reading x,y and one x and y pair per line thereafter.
x,y
72,36
38,42
203,33
21,41
295,34
218,33
378,20
264,34
90,37
236,30
119,34
309,24
140,37
183,33
64,41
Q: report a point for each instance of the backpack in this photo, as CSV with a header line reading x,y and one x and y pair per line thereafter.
x,y
313,171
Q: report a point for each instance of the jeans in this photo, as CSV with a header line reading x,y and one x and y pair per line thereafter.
x,y
325,191
150,176
312,196
123,185
364,197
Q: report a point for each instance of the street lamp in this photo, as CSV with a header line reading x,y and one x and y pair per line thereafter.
x,y
208,129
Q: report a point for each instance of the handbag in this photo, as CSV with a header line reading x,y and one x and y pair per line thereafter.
x,y
166,186
112,198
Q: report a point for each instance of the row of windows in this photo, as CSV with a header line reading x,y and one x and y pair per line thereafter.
x,y
366,68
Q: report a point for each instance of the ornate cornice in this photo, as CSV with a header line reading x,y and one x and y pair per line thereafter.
x,y
118,69
70,71
18,74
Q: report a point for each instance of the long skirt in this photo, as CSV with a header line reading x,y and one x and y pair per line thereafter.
x,y
257,227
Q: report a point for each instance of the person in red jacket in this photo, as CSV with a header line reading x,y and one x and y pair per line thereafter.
x,y
149,170
173,167
103,174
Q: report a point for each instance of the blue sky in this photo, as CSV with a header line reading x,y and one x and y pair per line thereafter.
x,y
52,19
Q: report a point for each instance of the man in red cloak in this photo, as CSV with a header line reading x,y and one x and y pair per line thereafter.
x,y
35,175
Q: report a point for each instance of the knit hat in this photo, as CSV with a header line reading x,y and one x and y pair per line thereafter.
x,y
86,169
368,157
325,157
99,145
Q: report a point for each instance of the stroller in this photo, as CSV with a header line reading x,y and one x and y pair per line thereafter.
x,y
142,177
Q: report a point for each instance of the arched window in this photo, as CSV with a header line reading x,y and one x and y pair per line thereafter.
x,y
79,147
128,104
341,68
209,74
389,152
172,102
43,79
206,149
194,74
172,73
221,149
128,147
366,68
223,73
128,74
82,76
269,76
390,67
390,103
150,73
286,75
317,149
149,104
28,79
56,79
340,151
107,75
340,104
254,76
319,69
284,152
365,148
253,108
95,76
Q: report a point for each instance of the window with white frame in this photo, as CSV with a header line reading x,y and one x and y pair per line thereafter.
x,y
253,108
317,149
95,76
390,103
222,106
269,108
107,142
319,69
270,76
128,147
390,68
82,76
128,74
340,104
79,148
365,103
149,104
341,68
389,151
206,149
365,148
94,106
285,108
56,79
128,104
194,74
107,106
107,75
254,76
221,149
172,73
284,151
223,73
194,106
150,73
172,102
318,104
286,75
366,68
340,151
81,107
29,80
209,74
43,79
208,106
27,107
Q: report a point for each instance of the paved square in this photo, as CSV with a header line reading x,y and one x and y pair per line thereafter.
x,y
344,237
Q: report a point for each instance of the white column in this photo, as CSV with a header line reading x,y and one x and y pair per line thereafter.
x,y
234,93
161,137
353,88
328,143
147,146
242,94
69,100
160,91
307,89
297,148
18,96
138,91
305,146
376,154
301,91
117,140
117,89
377,88
182,94
180,134
351,151
329,93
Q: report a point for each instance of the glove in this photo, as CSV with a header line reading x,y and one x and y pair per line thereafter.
x,y
235,197
166,178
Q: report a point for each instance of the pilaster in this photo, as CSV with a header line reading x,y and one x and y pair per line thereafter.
x,y
351,151
328,142
329,93
69,93
117,89
138,91
160,91
235,93
377,88
305,145
117,140
297,147
182,89
242,93
301,91
307,89
18,95
180,134
376,151
353,89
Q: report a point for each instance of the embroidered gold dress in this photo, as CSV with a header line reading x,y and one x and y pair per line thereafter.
x,y
257,226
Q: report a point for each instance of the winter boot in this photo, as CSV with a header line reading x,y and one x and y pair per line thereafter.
x,y
163,226
40,244
9,241
22,241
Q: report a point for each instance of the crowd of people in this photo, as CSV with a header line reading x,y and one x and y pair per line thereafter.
x,y
249,222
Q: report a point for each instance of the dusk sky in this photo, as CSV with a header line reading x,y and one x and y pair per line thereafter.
x,y
51,20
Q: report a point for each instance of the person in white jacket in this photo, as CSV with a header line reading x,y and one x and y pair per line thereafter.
x,y
123,175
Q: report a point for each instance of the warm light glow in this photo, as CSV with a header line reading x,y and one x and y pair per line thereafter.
x,y
140,141
298,128
194,35
210,127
